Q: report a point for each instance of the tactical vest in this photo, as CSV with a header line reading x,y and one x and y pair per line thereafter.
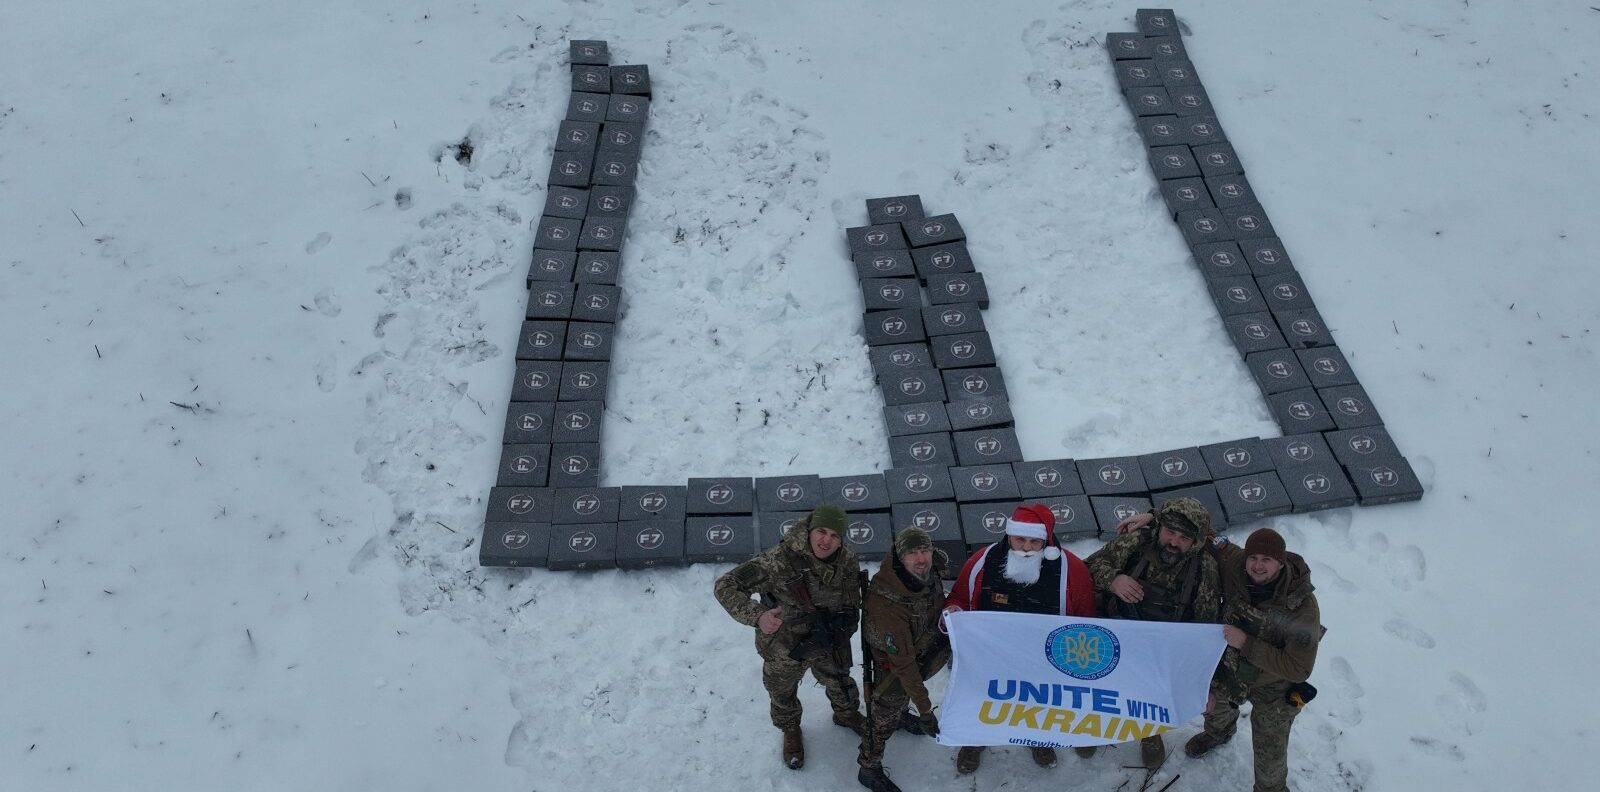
x,y
1169,600
1003,594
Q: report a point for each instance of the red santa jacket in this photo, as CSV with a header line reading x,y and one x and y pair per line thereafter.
x,y
1077,585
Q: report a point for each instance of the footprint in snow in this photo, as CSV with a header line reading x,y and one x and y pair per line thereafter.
x,y
321,241
1443,750
1461,704
327,303
327,378
1406,631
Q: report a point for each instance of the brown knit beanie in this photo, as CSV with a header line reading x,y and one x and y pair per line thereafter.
x,y
1267,542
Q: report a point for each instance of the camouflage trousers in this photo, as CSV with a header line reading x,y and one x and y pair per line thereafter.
x,y
890,703
781,677
1270,719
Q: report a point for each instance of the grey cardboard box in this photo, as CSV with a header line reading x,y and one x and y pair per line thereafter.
x,y
585,106
1220,260
1203,226
932,448
918,484
964,287
557,233
884,264
589,341
788,493
1326,367
631,79
653,502
1236,295
548,300
1299,411
523,465
989,446
1137,73
589,51
974,383
1299,449
772,527
721,496
1180,467
575,464
591,78
911,419
1185,195
1277,370
962,351
1230,189
888,294
1248,221
941,320
554,266
518,504
590,546
1075,517
1251,497
1167,47
875,238
866,492
1148,100
1350,406
1355,447
1177,72
541,339
603,233
1112,476
1303,329
1190,100
1049,478
984,523
947,259
596,302
1253,333
970,414
894,209
901,326
1201,130
528,422
650,543
1285,291
584,381
1217,159
935,230
1266,256
869,535
1157,22
571,168
610,200
942,521
1127,46
578,421
1205,493
616,170
1112,509
1173,162
1317,485
576,505
628,108
911,386
1161,131
537,381
508,544
1236,457
719,538
899,356
569,202
1385,481
597,266
976,483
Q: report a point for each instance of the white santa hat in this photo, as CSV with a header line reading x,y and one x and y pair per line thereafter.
x,y
1034,521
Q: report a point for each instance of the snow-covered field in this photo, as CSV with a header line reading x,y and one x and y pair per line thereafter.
x,y
258,325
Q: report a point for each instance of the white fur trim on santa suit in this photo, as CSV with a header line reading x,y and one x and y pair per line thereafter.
x,y
1026,530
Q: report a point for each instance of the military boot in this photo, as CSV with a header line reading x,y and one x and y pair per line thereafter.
x,y
909,723
851,720
1044,757
967,759
875,779
1153,750
794,748
1202,743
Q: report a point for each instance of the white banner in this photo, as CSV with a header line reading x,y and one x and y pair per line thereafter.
x,y
1061,681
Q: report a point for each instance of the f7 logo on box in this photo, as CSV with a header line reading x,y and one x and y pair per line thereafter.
x,y
719,535
582,542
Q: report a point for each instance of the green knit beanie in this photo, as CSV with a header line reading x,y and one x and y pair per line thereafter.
x,y
830,516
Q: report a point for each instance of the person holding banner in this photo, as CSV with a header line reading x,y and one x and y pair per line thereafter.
x,y
903,605
1158,572
1030,575
810,601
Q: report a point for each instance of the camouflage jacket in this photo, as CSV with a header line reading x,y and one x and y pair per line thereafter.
x,y
774,575
903,628
1283,630
1137,555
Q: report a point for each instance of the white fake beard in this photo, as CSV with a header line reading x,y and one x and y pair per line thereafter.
x,y
1024,567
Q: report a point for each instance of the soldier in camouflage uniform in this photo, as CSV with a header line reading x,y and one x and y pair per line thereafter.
x,y
809,608
903,606
1160,572
1273,626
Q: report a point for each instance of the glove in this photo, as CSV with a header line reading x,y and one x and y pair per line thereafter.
x,y
930,724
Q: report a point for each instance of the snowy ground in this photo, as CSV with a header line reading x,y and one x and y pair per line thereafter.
x,y
259,328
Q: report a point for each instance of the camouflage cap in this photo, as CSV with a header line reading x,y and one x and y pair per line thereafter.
x,y
1186,516
831,517
911,540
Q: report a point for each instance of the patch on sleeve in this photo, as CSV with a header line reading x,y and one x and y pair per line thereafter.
x,y
889,645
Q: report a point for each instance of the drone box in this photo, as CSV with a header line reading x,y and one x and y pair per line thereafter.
x,y
888,294
571,203
1075,518
1236,457
588,546
1326,367
575,505
1157,22
628,108
1118,476
614,169
1128,46
557,233
598,266
528,422
1314,486
875,238
974,383
1203,226
595,302
984,523
1200,130
772,527
949,259
1277,370
523,465
603,233
1357,447
1303,329
894,209
856,493
1299,449
933,448
1189,101
584,381
900,326
1205,493
1350,406
1218,160
941,520
591,78
518,505
989,446
575,464
1220,260
578,421
1253,333
1299,412
1137,73
1177,72
1266,256
509,544
537,381
788,493
548,300
541,339
1148,100
553,266
968,414
1047,479
1158,131
610,200
1254,496
893,357
884,264
935,230
643,544
952,319
589,341
919,483
911,386
719,539
1112,509
964,287
1180,467
1236,295
962,351
984,483
1248,221
1388,480
919,418
590,107
870,535
1231,189
632,79
721,496
571,169
653,502
1185,195
589,52
1285,291
1173,162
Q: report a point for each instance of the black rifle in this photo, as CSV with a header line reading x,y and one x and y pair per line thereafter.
x,y
826,634
869,666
